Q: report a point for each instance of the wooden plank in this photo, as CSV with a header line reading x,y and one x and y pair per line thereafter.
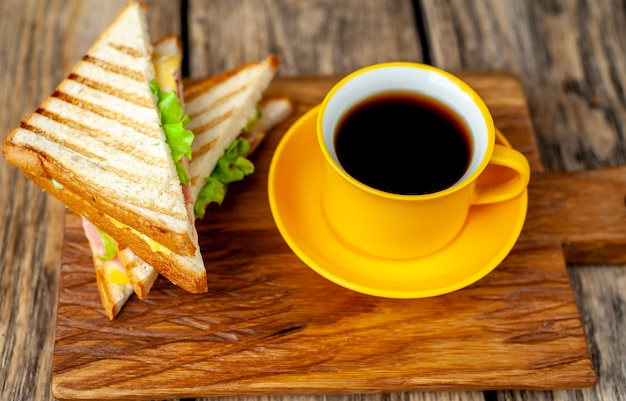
x,y
570,59
595,289
264,329
594,234
321,37
41,42
413,396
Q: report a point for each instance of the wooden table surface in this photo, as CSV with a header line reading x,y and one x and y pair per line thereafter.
x,y
570,56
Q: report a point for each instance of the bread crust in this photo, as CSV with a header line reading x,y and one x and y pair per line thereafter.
x,y
167,38
183,266
105,288
37,165
142,283
167,265
199,88
36,162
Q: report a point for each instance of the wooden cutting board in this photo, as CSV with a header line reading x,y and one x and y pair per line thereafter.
x,y
270,325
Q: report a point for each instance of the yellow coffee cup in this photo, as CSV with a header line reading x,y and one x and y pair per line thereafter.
x,y
404,145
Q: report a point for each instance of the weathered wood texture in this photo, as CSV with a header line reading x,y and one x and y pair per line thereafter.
x,y
263,327
569,56
309,37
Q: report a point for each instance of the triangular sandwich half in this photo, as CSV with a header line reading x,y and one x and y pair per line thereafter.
x,y
115,286
100,145
222,109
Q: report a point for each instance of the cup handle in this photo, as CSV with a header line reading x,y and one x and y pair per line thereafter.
x,y
511,187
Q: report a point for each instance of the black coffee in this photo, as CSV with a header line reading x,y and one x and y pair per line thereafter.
x,y
403,143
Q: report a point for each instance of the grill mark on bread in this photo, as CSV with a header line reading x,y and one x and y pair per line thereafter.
x,y
204,128
204,148
201,87
103,136
225,98
53,138
104,112
130,176
110,90
126,50
114,68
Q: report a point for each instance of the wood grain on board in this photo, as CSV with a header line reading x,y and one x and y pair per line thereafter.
x,y
569,56
270,325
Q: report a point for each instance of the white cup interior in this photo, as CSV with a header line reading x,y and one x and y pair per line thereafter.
x,y
426,82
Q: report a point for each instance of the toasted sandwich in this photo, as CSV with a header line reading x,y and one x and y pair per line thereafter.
x,y
120,271
231,93
118,279
112,146
117,269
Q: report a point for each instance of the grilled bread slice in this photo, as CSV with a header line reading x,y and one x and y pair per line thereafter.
x,y
97,144
219,107
141,275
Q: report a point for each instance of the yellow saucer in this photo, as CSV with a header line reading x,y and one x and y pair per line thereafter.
x,y
294,187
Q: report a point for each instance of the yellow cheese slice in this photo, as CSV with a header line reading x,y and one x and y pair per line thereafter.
x,y
165,68
154,246
118,277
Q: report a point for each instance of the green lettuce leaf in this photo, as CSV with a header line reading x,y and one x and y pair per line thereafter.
x,y
231,166
110,249
173,121
256,116
213,191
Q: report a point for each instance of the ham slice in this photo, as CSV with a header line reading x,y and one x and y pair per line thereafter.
x,y
98,250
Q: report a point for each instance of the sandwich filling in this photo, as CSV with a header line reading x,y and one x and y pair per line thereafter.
x,y
231,166
105,249
166,86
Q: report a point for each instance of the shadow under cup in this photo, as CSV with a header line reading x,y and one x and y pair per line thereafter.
x,y
394,225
